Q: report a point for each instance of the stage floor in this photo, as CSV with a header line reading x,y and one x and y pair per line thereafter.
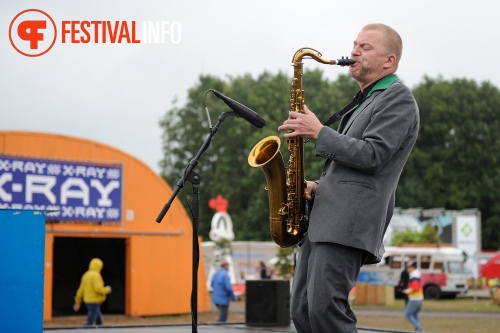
x,y
213,328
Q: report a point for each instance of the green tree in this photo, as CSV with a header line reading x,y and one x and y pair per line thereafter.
x,y
455,161
405,236
284,264
427,236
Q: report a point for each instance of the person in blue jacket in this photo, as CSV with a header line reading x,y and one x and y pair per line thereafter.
x,y
222,291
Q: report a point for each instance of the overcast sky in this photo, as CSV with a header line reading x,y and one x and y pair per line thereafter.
x,y
116,94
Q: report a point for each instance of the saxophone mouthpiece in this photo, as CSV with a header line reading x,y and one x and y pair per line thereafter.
x,y
345,62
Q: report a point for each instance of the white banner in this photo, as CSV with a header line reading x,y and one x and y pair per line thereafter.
x,y
467,239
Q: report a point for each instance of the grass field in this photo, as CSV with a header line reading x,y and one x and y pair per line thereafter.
x,y
434,325
462,315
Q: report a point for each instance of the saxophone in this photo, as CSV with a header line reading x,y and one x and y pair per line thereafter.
x,y
287,207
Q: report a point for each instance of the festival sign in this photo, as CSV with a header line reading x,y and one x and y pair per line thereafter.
x,y
68,191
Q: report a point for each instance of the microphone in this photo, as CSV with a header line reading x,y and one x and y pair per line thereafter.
x,y
241,110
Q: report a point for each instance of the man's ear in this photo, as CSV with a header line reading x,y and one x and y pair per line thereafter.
x,y
390,61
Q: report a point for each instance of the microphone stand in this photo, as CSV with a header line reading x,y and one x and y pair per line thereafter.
x,y
195,179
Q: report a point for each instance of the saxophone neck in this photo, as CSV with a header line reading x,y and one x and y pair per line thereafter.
x,y
310,53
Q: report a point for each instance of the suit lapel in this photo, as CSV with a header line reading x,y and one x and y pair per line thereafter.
x,y
380,86
344,121
354,114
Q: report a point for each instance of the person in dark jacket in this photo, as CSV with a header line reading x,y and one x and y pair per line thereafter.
x,y
222,291
403,284
264,274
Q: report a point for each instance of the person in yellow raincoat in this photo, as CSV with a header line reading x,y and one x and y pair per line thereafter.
x,y
92,292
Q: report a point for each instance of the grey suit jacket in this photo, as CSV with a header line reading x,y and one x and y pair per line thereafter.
x,y
354,201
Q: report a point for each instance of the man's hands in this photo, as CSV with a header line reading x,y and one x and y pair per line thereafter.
x,y
309,190
76,307
306,124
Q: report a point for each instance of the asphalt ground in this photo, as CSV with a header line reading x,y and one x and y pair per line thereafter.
x,y
223,328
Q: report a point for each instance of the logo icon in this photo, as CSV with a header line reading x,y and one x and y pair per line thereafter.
x,y
466,230
32,32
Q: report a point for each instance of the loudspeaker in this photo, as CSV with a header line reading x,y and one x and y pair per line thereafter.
x,y
267,303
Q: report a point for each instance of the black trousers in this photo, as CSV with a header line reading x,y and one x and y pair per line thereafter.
x,y
324,276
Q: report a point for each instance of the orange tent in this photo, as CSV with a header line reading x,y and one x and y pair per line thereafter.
x,y
147,263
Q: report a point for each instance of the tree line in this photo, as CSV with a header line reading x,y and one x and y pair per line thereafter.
x,y
454,164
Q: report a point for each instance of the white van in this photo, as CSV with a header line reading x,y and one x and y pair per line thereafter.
x,y
442,269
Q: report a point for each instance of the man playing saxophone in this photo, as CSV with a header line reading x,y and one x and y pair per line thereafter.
x,y
355,194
